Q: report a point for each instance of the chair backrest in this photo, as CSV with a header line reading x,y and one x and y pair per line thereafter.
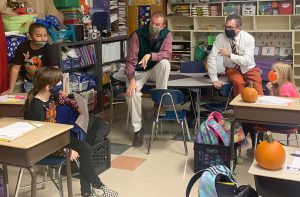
x,y
165,96
192,67
226,90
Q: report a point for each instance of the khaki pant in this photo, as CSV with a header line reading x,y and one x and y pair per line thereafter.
x,y
160,74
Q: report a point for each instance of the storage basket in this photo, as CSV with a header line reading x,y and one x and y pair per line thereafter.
x,y
101,158
19,23
248,9
66,3
206,155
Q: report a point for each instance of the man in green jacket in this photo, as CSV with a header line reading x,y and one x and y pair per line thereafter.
x,y
148,55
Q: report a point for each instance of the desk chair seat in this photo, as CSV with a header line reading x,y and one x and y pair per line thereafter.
x,y
169,98
282,130
54,162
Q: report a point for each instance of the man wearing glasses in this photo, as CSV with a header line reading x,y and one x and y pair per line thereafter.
x,y
148,55
237,49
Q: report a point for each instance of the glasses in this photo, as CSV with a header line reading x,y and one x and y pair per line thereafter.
x,y
230,28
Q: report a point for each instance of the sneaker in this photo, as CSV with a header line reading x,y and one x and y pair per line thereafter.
x,y
91,194
104,191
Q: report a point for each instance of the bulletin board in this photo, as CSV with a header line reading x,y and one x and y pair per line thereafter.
x,y
144,15
144,2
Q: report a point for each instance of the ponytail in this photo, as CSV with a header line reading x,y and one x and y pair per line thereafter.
x,y
29,98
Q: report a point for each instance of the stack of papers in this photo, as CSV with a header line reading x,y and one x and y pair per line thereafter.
x,y
273,100
295,165
16,130
11,98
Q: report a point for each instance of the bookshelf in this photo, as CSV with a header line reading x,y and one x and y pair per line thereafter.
x,y
270,25
93,62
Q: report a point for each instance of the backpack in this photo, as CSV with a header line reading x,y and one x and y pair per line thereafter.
x,y
217,130
215,181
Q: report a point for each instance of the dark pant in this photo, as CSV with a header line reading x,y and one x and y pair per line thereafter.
x,y
249,128
87,172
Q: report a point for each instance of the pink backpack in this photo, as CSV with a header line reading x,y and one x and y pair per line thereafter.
x,y
217,129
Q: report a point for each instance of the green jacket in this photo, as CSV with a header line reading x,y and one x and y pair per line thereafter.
x,y
146,47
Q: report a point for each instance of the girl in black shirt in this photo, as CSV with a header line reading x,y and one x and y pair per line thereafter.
x,y
38,107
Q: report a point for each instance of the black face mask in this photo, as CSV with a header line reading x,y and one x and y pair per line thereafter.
x,y
230,33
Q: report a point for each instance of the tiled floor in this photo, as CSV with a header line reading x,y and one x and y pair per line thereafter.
x,y
165,172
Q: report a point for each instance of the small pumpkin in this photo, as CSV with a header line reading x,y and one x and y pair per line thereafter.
x,y
249,94
270,154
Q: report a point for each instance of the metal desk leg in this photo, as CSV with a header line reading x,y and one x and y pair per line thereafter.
x,y
197,124
33,181
232,146
68,168
5,176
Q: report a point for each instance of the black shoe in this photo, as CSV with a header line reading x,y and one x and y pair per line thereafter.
x,y
138,138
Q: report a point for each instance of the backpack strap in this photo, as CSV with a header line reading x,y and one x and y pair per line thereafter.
x,y
193,181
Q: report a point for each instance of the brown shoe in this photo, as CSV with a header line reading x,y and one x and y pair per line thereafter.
x,y
138,138
162,111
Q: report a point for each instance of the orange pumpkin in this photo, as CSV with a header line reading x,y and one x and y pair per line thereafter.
x,y
249,94
270,154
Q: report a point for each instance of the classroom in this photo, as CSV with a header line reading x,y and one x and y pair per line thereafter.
x,y
149,98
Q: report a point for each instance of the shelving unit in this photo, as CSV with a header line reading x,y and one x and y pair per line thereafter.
x,y
97,68
281,30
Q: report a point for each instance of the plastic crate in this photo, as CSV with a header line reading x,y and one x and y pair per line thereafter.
x,y
76,62
66,3
207,155
101,158
66,64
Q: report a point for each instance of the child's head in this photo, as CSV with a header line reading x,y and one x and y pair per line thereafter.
x,y
38,35
46,77
284,73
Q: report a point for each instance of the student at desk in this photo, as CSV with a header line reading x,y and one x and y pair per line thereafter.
x,y
282,84
38,106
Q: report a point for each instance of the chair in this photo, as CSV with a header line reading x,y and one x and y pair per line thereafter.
x,y
55,162
281,130
193,67
226,91
169,98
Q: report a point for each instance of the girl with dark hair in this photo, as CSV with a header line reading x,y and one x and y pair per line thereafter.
x,y
40,107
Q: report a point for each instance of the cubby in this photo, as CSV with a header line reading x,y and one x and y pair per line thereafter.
x,y
275,22
180,23
209,23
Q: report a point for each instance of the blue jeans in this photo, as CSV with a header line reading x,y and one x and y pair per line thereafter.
x,y
27,86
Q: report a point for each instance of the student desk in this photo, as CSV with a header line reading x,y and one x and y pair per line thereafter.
x,y
266,114
33,146
12,109
277,183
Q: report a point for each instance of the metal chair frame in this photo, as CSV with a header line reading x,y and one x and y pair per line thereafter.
x,y
178,119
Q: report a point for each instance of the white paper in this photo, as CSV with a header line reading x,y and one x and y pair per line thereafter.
x,y
17,129
273,100
295,165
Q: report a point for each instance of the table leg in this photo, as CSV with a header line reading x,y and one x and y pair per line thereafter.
x,y
197,124
232,146
5,176
33,181
68,168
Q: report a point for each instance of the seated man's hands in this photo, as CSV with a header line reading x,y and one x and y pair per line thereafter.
x,y
224,52
132,88
145,60
218,84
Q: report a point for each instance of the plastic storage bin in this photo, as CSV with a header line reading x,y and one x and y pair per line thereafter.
x,y
206,155
101,158
66,3
248,9
66,64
